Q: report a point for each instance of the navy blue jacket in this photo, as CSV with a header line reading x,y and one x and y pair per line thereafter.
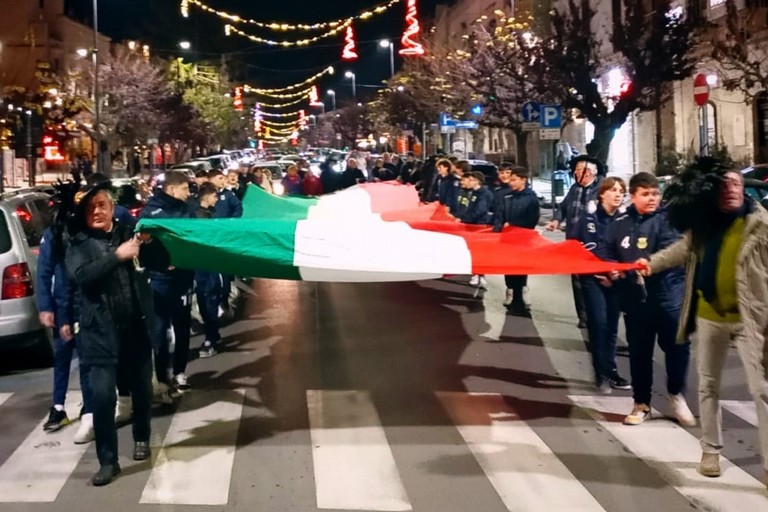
x,y
475,206
519,209
163,206
575,205
445,189
632,236
593,228
228,205
124,216
53,291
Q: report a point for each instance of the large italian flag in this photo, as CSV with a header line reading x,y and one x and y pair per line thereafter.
x,y
369,233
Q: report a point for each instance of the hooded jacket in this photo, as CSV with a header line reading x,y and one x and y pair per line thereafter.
x,y
163,206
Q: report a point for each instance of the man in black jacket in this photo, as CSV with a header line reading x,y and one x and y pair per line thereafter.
x,y
518,208
115,316
172,290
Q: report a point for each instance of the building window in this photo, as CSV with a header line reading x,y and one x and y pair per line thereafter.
x,y
707,128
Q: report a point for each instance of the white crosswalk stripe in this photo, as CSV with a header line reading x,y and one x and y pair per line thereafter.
x,y
745,410
353,462
675,454
355,468
42,464
202,436
519,464
4,397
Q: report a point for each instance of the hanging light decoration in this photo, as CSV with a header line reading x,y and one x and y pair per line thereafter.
x,y
314,98
185,8
411,47
327,71
350,48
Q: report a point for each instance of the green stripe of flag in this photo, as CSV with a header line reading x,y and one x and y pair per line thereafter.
x,y
260,204
240,247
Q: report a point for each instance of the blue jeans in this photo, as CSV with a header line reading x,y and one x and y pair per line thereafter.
x,y
603,312
133,372
62,363
646,322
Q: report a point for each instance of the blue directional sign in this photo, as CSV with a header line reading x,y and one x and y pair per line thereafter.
x,y
470,125
446,119
531,112
551,116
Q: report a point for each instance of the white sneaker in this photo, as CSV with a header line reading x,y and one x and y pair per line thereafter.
x,y
680,411
508,297
527,296
162,394
181,382
483,283
474,280
124,409
84,433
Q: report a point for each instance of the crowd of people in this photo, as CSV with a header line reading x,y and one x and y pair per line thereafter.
x,y
694,254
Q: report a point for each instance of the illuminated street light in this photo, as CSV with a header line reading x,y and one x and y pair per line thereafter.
x,y
386,43
332,94
351,75
185,45
82,52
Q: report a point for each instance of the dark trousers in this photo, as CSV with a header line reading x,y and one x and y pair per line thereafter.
x,y
226,288
603,312
134,371
578,299
172,309
208,291
516,284
645,324
62,363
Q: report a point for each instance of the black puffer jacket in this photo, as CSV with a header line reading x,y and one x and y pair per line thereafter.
x,y
110,292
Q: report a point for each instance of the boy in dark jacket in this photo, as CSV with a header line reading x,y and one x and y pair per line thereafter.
x,y
54,302
518,208
172,290
208,284
115,313
651,306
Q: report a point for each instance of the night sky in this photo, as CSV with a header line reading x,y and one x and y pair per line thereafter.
x,y
160,24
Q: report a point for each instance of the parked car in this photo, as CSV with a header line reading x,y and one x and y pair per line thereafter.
x,y
24,216
129,192
756,172
755,188
193,166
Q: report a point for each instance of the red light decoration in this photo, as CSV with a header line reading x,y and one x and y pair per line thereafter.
x,y
314,98
51,150
261,145
238,99
411,47
302,120
350,49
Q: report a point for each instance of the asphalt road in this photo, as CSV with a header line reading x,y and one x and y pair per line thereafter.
x,y
409,396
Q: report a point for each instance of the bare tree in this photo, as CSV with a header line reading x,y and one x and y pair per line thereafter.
x,y
741,62
651,48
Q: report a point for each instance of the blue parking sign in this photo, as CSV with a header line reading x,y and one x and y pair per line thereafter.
x,y
551,116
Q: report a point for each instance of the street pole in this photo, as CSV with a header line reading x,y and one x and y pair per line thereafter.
x,y
30,155
391,59
96,92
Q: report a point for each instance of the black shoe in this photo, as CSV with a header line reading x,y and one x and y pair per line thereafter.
x,y
56,420
141,450
519,309
105,475
619,383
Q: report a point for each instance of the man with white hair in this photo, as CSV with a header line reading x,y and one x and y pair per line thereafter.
x,y
352,175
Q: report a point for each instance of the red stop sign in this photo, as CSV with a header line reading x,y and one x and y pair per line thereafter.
x,y
700,89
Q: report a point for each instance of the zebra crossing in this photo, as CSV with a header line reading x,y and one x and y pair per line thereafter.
x,y
355,465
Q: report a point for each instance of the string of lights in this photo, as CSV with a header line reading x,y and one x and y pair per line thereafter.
x,y
286,27
283,105
327,71
278,124
231,29
284,114
289,96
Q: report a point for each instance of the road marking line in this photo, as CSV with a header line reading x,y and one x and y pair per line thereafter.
x,y
354,465
4,397
41,465
526,474
744,409
675,454
194,465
